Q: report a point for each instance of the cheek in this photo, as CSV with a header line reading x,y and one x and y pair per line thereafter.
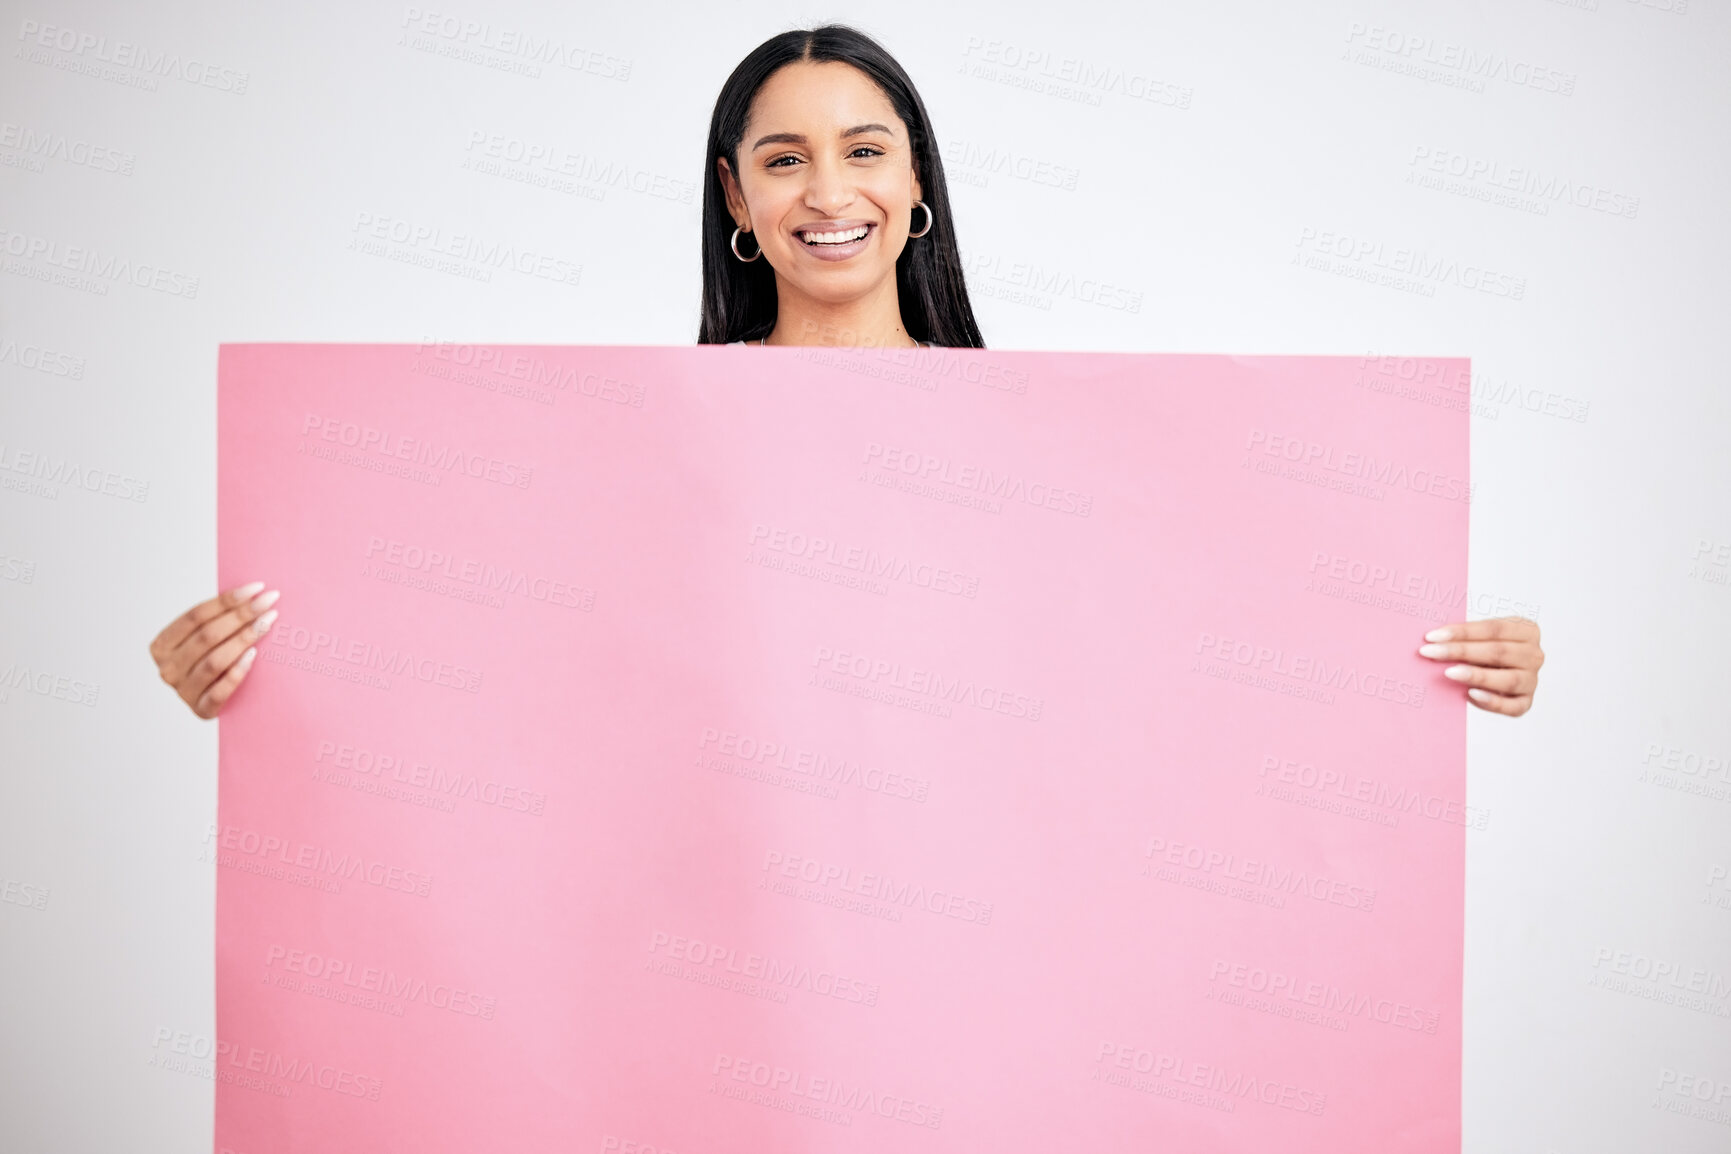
x,y
772,206
896,202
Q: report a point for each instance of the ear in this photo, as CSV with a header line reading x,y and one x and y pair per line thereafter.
x,y
731,190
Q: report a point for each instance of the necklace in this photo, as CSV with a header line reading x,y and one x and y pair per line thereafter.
x,y
917,344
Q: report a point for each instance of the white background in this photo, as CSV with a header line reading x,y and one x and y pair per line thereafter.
x,y
1552,175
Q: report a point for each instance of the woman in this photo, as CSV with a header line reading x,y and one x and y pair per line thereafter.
x,y
826,221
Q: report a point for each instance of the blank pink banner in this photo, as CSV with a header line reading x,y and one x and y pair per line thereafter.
x,y
788,751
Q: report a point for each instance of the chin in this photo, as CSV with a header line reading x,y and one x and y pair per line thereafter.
x,y
844,284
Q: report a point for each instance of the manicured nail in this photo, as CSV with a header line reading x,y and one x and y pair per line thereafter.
x,y
245,662
265,600
1480,695
249,589
1439,635
1458,672
1433,651
263,624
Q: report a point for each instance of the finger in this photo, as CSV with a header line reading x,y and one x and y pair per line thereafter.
x,y
207,667
1509,682
1490,629
216,631
1509,706
181,627
1495,654
211,701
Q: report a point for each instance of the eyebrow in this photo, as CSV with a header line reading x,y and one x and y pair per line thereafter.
x,y
796,138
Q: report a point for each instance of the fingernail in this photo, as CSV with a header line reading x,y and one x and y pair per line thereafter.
x,y
1479,695
263,624
1458,672
249,589
1433,651
266,600
1439,635
245,662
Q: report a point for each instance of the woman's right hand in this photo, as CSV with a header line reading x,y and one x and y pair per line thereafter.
x,y
205,652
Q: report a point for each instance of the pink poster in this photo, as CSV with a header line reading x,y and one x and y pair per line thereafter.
x,y
789,751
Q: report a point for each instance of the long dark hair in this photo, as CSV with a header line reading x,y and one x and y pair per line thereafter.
x,y
738,296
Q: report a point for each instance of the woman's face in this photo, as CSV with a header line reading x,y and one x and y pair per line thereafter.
x,y
824,156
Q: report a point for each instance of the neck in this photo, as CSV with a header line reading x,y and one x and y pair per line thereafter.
x,y
872,321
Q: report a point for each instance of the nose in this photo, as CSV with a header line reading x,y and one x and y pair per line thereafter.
x,y
829,189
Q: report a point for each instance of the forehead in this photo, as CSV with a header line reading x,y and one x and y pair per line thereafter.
x,y
813,97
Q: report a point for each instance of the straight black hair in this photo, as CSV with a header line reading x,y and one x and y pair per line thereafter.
x,y
739,297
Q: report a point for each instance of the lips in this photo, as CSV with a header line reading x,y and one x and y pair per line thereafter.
x,y
846,238
815,236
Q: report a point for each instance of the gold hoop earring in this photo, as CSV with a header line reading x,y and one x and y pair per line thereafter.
x,y
928,208
734,245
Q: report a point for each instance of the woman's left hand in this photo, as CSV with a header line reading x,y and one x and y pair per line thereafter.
x,y
1497,659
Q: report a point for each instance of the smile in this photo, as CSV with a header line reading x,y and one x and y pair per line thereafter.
x,y
815,239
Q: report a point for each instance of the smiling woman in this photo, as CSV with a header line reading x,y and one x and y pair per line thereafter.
x,y
826,221
826,218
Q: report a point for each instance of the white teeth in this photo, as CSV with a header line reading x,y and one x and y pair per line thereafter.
x,y
835,237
